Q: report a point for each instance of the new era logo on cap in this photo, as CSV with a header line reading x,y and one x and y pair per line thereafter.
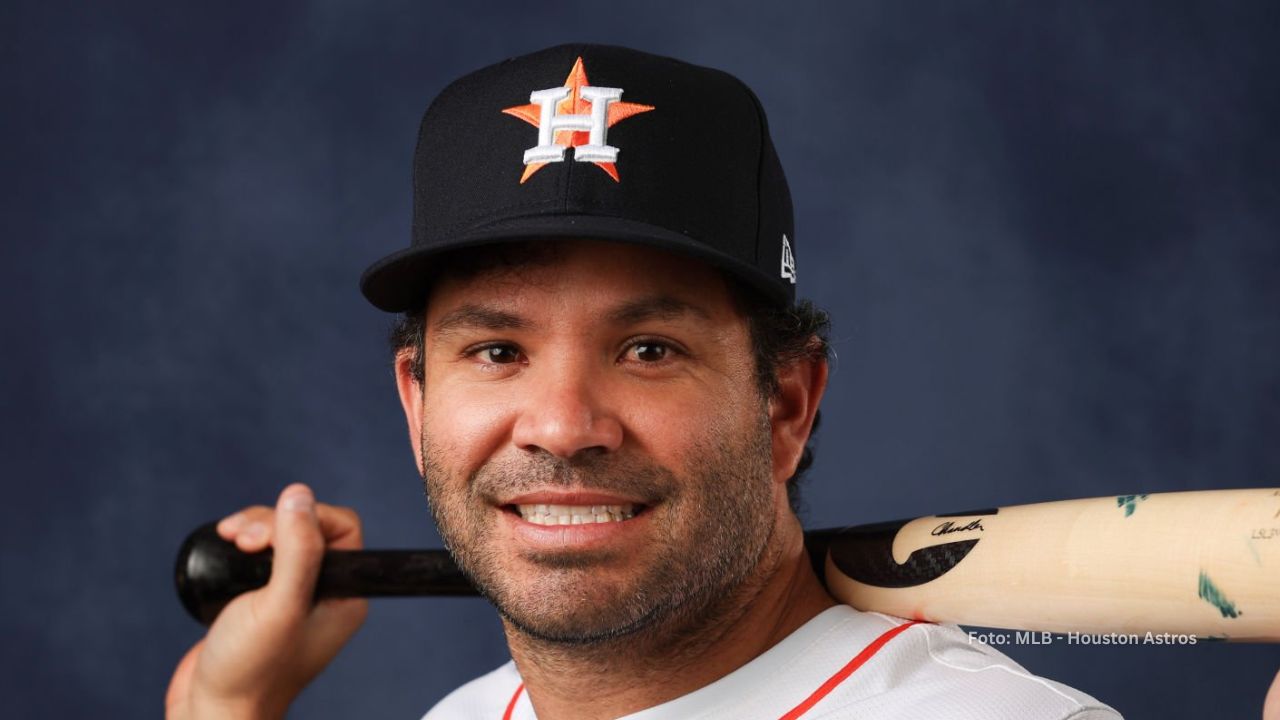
x,y
788,261
682,154
575,115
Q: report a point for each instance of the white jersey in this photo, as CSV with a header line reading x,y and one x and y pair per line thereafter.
x,y
841,664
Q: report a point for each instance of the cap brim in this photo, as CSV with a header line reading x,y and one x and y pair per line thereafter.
x,y
399,282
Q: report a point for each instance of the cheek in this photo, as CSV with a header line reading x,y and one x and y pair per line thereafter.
x,y
668,425
464,429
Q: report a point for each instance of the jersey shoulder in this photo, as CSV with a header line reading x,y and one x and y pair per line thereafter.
x,y
485,698
941,671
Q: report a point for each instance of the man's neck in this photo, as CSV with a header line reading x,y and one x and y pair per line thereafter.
x,y
608,681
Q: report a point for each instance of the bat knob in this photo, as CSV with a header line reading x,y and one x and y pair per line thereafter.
x,y
210,572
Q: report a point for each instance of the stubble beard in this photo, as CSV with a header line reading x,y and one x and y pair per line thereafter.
x,y
711,531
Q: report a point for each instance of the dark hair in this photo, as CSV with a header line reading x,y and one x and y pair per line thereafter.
x,y
779,336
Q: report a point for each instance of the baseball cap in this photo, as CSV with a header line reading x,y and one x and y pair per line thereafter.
x,y
602,142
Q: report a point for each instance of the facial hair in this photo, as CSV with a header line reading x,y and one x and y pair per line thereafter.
x,y
710,528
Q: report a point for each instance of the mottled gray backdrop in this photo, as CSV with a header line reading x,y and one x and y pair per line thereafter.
x,y
1048,233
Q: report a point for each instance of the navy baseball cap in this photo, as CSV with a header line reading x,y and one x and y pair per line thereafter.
x,y
594,141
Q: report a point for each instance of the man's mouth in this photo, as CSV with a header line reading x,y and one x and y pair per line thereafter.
x,y
541,514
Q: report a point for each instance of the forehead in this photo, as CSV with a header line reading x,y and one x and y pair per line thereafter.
x,y
572,275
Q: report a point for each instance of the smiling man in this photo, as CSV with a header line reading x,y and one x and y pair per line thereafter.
x,y
610,390
605,468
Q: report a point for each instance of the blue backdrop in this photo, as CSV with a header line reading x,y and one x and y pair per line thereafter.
x,y
1049,234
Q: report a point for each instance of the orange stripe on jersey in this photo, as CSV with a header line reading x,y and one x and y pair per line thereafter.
x,y
511,706
823,690
843,673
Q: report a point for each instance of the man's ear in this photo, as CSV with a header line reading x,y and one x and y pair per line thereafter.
x,y
791,411
411,400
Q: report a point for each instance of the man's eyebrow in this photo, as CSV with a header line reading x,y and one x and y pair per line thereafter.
x,y
662,307
478,317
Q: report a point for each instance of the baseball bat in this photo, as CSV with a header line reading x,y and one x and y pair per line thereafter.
x,y
1204,564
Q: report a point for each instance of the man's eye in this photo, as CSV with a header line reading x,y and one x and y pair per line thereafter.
x,y
499,354
650,352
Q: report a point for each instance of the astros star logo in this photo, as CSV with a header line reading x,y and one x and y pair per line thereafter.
x,y
575,115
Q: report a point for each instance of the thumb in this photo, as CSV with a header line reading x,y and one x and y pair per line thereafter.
x,y
298,549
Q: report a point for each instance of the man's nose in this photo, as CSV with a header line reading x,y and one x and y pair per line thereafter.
x,y
566,413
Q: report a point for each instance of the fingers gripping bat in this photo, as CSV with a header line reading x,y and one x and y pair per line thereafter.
x,y
1203,563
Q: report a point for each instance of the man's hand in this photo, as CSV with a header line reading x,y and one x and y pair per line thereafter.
x,y
266,645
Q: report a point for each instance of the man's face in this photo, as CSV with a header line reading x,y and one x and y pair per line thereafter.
x,y
595,447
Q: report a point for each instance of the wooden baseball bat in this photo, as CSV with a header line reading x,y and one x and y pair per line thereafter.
x,y
1201,563
1195,563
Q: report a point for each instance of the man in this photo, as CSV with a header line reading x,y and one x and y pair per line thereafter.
x,y
609,390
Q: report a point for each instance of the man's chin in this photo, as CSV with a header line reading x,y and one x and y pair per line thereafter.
x,y
579,612
586,627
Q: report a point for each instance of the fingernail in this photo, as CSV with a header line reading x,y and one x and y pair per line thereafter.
x,y
232,523
255,532
299,500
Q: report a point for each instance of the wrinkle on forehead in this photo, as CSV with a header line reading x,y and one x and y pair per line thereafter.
x,y
661,307
663,285
478,316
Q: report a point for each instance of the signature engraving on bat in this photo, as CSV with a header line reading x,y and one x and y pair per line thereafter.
x,y
949,527
1211,594
865,554
1265,533
1129,502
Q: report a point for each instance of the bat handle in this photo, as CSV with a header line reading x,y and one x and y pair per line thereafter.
x,y
211,572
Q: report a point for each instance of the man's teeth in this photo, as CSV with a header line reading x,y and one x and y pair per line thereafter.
x,y
575,514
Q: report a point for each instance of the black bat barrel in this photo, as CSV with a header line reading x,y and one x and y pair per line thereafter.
x,y
210,572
